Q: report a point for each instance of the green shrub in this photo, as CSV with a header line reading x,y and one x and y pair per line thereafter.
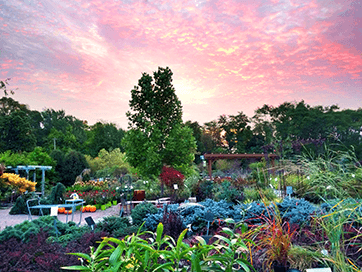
x,y
225,191
116,226
259,173
56,195
28,229
223,165
140,211
203,189
255,194
182,195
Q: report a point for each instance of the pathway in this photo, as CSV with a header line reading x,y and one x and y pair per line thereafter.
x,y
7,219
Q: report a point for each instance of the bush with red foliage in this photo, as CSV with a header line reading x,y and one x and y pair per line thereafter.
x,y
170,176
41,255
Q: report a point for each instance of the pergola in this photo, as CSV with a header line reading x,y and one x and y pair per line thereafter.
x,y
27,169
213,157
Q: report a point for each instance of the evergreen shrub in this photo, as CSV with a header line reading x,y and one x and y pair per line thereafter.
x,y
140,211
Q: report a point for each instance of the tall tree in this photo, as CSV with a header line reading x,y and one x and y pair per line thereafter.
x,y
156,135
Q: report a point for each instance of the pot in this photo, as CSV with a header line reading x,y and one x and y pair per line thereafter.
x,y
139,195
277,267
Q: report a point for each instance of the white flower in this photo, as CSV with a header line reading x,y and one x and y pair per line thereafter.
x,y
144,182
329,187
353,175
125,186
117,188
131,187
308,177
276,179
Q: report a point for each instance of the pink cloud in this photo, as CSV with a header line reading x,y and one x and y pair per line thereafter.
x,y
227,56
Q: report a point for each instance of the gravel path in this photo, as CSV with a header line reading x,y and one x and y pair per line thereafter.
x,y
11,220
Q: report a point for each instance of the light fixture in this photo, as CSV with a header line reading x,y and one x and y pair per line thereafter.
x,y
90,222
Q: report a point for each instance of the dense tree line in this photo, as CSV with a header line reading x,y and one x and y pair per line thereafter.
x,y
157,136
286,130
23,129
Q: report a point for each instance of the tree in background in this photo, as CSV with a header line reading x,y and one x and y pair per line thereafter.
x,y
111,163
290,126
3,86
156,135
15,126
237,132
67,131
103,136
69,165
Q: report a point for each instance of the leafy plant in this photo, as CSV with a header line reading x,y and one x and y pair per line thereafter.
x,y
163,253
203,190
225,191
334,224
276,237
330,175
172,223
232,250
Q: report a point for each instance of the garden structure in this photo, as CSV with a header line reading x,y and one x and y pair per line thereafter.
x,y
27,169
213,157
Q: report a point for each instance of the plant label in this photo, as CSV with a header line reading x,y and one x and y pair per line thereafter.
x,y
54,211
318,270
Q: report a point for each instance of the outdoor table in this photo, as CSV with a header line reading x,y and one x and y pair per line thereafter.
x,y
69,203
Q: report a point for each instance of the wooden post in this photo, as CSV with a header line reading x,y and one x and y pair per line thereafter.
x,y
210,168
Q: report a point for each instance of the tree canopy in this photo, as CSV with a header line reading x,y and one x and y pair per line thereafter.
x,y
156,135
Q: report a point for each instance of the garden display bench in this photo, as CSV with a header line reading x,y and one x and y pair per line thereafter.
x,y
69,203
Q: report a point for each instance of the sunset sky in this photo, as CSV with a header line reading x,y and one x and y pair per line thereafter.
x,y
85,56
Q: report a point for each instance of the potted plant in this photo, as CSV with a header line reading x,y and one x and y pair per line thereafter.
x,y
275,236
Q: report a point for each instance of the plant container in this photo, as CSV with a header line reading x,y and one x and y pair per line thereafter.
x,y
114,202
280,268
139,195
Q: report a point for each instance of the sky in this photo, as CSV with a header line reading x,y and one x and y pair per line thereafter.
x,y
227,56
